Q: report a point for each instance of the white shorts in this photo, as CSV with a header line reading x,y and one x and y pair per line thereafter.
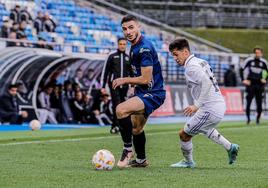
x,y
201,122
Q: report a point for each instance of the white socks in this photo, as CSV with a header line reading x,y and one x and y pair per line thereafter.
x,y
216,137
128,146
187,150
213,134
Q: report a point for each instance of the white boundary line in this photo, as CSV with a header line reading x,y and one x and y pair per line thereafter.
x,y
73,139
109,137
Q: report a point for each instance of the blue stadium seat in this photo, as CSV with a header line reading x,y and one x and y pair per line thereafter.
x,y
84,17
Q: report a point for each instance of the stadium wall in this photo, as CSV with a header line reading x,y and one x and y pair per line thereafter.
x,y
178,99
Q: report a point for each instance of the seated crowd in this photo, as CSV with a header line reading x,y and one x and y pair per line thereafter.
x,y
57,103
71,104
15,27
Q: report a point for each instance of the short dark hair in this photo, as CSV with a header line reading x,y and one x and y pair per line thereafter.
x,y
67,82
121,38
12,86
49,85
257,48
128,18
179,44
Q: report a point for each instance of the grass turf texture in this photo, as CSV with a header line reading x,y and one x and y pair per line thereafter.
x,y
239,40
58,161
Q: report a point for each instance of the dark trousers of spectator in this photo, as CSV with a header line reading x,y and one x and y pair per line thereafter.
x,y
13,119
118,96
257,92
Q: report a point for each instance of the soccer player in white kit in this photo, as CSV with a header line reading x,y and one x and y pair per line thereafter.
x,y
208,108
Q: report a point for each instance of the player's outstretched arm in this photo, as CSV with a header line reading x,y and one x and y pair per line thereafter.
x,y
144,79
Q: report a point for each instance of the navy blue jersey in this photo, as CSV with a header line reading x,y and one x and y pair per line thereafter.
x,y
143,54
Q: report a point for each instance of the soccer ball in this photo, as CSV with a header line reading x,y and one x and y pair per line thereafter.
x,y
103,160
35,125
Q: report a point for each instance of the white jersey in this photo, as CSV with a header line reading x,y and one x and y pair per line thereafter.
x,y
203,86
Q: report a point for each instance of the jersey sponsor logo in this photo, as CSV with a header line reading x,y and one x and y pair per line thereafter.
x,y
151,84
147,95
134,70
116,56
144,50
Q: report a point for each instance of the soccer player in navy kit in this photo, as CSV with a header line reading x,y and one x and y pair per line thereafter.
x,y
149,93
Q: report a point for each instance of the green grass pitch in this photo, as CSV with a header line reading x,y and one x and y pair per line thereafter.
x,y
63,159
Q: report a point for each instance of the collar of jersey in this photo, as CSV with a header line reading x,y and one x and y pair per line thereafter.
x,y
188,59
141,37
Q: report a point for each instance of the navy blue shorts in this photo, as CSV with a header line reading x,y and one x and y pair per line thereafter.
x,y
152,101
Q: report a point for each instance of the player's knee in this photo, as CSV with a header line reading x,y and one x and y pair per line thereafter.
x,y
120,112
137,130
183,136
181,133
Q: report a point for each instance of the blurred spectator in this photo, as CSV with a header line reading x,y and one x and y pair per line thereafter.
x,y
12,36
41,43
38,22
49,25
106,111
5,29
15,27
89,113
68,90
14,14
66,100
88,79
97,96
55,101
76,87
77,107
55,97
9,108
22,93
46,112
83,112
21,30
78,78
230,77
25,16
